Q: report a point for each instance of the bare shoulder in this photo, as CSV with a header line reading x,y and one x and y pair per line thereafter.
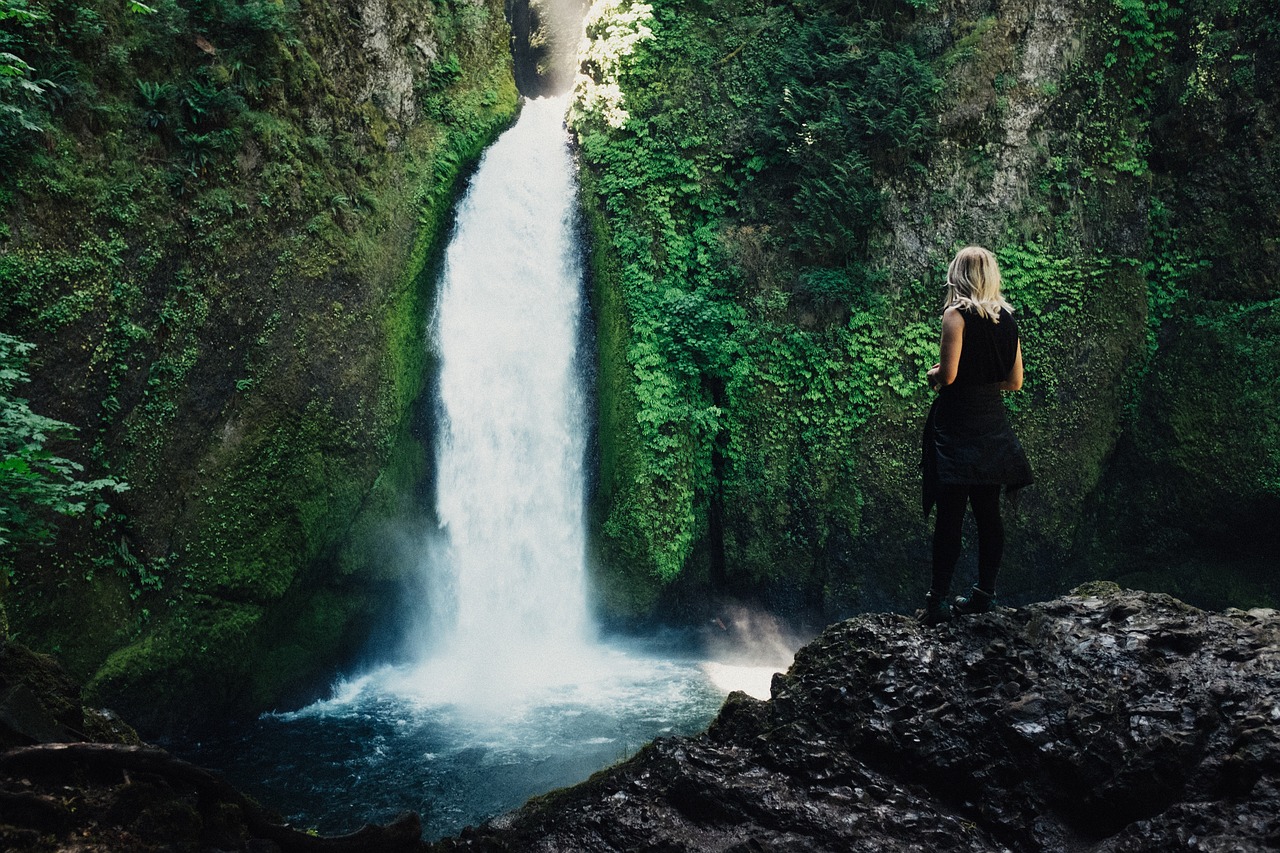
x,y
952,318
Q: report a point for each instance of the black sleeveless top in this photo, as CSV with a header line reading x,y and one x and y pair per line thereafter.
x,y
967,437
989,349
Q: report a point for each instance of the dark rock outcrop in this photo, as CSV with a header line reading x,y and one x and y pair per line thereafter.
x,y
40,703
1105,720
142,799
75,778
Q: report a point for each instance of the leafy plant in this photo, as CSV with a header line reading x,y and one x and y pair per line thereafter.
x,y
35,484
21,96
1117,117
735,152
156,99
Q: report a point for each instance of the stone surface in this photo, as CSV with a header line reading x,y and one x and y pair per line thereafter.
x,y
1105,720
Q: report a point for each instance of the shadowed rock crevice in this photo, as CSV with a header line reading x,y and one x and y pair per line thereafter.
x,y
544,44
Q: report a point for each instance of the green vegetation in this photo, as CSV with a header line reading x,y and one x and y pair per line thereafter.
x,y
34,483
739,199
218,223
774,193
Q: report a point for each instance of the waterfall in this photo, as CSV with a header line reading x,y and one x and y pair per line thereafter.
x,y
507,578
507,693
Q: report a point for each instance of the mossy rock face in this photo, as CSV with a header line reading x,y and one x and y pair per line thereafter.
x,y
227,265
235,656
1210,418
38,701
1191,495
1199,472
206,652
774,197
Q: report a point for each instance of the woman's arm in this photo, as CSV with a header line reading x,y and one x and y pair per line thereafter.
x,y
943,373
1013,381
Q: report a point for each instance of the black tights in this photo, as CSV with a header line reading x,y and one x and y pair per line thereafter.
x,y
985,501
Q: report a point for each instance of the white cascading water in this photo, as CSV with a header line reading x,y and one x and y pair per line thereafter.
x,y
510,570
509,620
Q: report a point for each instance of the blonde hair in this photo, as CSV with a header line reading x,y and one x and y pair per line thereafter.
x,y
973,282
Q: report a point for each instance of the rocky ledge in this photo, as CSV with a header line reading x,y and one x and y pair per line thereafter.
x,y
1106,720
78,780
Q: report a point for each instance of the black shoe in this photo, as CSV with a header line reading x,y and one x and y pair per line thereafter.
x,y
978,601
936,610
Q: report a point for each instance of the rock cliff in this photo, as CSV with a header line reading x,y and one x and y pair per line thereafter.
x,y
775,191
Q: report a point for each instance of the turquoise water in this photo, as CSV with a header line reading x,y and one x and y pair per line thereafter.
x,y
382,745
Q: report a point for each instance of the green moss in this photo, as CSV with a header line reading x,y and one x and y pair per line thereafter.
x,y
99,607
733,381
632,584
1200,471
206,650
1082,319
1097,589
1224,366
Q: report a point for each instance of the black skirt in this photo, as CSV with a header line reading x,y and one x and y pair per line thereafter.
x,y
968,442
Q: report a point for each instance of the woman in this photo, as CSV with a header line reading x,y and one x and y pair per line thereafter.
x,y
970,450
